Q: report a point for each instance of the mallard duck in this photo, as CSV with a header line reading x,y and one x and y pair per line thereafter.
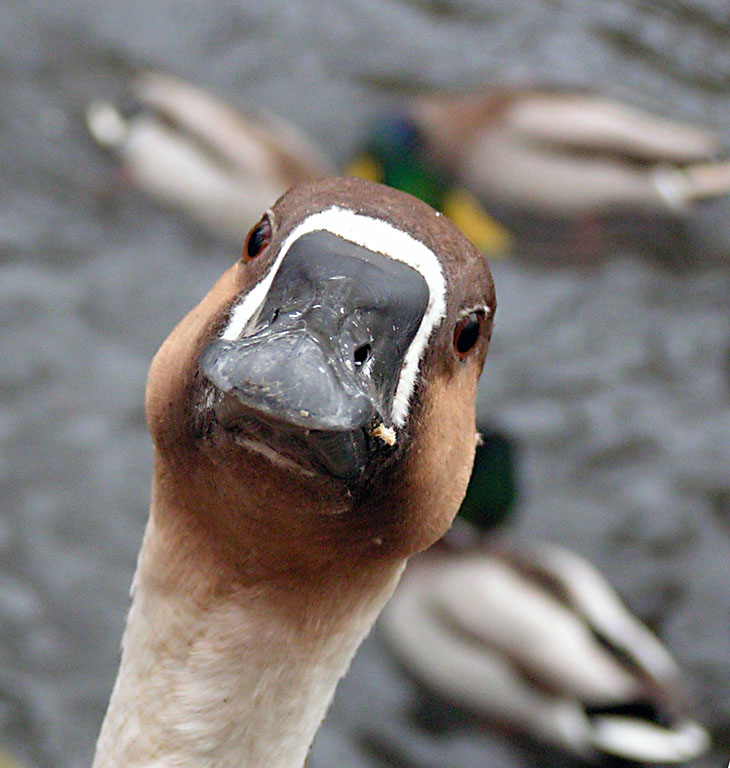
x,y
535,639
532,638
195,153
555,153
313,421
573,167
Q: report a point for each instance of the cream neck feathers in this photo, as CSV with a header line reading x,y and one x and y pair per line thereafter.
x,y
229,682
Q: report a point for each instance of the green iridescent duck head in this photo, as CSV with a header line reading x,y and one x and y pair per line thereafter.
x,y
492,492
396,153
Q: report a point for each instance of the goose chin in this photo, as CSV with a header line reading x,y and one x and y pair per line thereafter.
x,y
342,454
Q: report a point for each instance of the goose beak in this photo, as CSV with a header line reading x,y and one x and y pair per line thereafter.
x,y
282,385
314,374
286,375
284,390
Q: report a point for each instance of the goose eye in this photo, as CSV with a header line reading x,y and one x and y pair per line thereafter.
x,y
257,240
466,333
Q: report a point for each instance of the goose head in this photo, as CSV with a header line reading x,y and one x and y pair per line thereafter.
x,y
314,425
321,396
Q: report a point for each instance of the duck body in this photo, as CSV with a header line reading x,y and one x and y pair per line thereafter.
x,y
568,154
194,153
535,640
283,510
558,169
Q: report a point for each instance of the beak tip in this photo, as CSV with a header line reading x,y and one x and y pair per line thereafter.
x,y
213,365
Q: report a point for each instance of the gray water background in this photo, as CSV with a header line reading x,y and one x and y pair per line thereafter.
x,y
614,377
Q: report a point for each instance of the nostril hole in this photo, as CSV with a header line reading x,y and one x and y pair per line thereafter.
x,y
362,354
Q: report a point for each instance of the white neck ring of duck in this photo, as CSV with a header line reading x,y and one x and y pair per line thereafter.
x,y
381,237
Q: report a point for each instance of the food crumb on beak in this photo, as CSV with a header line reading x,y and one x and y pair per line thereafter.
x,y
386,434
480,439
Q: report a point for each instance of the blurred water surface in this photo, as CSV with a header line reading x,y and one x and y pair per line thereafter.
x,y
615,379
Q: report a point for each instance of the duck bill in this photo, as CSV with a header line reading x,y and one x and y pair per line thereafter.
x,y
313,373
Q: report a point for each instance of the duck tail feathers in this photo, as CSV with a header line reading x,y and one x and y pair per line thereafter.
x,y
680,186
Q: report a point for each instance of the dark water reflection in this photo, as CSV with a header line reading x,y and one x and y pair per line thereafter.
x,y
615,380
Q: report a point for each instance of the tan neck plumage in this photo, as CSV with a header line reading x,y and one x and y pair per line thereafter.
x,y
234,675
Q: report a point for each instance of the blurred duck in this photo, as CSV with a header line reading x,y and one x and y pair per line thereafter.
x,y
553,153
575,168
197,154
533,637
537,641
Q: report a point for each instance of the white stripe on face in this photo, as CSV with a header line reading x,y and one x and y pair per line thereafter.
x,y
381,237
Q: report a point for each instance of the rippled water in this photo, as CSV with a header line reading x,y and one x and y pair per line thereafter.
x,y
614,379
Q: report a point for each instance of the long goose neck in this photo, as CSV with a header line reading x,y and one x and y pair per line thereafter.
x,y
219,672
